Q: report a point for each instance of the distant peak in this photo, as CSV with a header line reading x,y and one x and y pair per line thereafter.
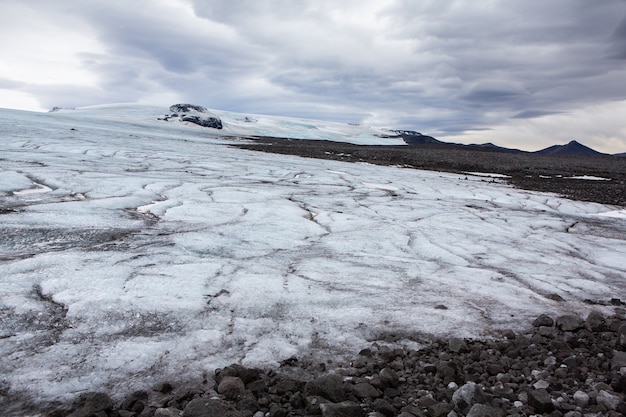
x,y
572,148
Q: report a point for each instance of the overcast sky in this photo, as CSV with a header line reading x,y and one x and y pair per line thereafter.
x,y
519,73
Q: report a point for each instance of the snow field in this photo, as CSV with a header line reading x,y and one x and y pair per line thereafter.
x,y
157,252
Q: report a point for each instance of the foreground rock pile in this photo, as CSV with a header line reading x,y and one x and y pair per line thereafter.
x,y
564,366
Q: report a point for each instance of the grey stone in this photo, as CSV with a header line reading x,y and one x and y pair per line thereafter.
x,y
569,323
619,360
541,401
205,407
93,403
277,411
167,412
343,409
440,409
608,400
621,336
595,322
327,386
481,410
543,320
365,390
231,387
247,375
388,377
468,395
313,403
457,345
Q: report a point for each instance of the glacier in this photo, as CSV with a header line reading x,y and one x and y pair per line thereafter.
x,y
134,251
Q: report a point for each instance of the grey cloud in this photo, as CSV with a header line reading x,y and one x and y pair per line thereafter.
x,y
445,66
10,84
617,49
531,114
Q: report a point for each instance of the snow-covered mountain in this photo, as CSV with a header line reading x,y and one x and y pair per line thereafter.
x,y
239,124
135,250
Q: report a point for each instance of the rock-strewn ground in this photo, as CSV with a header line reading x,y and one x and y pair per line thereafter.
x,y
528,171
560,366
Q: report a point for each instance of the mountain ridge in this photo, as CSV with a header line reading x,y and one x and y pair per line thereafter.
x,y
300,128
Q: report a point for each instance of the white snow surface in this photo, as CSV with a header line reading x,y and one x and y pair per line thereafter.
x,y
154,252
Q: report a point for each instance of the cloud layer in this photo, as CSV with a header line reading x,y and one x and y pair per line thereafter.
x,y
459,70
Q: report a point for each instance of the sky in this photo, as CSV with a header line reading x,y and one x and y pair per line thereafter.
x,y
518,73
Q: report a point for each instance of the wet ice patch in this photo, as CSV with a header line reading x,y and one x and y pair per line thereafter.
x,y
618,214
488,175
587,178
36,189
15,182
386,187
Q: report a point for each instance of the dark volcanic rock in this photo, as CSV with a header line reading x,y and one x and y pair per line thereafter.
x,y
343,409
541,401
194,114
573,369
205,407
186,108
204,120
543,321
231,387
93,403
326,386
480,410
569,323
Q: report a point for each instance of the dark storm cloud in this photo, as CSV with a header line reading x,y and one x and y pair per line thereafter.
x,y
617,48
530,114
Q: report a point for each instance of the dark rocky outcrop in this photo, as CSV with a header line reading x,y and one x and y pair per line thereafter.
x,y
195,114
186,108
562,366
204,120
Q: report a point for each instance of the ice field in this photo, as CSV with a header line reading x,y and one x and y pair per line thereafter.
x,y
134,251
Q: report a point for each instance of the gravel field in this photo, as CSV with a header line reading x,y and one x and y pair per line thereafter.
x,y
526,170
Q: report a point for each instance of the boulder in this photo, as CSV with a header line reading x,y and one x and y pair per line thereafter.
x,y
481,410
569,323
619,360
608,400
621,336
541,401
231,387
365,390
388,378
343,409
205,407
93,403
468,395
595,322
543,320
326,386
